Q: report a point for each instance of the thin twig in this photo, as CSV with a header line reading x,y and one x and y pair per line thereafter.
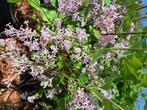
x,y
143,17
124,33
142,7
7,96
126,48
21,4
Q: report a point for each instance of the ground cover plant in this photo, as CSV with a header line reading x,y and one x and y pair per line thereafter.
x,y
79,55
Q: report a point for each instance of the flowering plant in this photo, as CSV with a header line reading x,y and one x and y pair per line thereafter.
x,y
85,54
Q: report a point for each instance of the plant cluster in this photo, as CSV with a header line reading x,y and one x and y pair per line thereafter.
x,y
85,54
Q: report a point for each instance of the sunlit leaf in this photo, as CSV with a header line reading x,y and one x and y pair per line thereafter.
x,y
13,1
96,33
35,4
107,2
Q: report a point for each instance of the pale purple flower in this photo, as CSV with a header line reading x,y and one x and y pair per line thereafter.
x,y
11,45
81,34
27,43
45,35
22,33
105,18
69,7
132,27
93,67
76,57
81,100
107,93
68,32
85,58
58,23
34,46
45,51
37,72
105,39
122,44
32,98
54,49
11,31
77,50
50,93
67,45
108,55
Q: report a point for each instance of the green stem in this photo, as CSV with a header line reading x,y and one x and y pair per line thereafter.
x,y
142,7
126,48
97,95
124,33
143,17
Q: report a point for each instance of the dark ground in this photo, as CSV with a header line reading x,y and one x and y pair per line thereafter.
x,y
5,16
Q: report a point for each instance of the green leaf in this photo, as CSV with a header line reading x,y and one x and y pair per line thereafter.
x,y
52,15
60,63
60,104
96,33
107,2
35,4
73,108
144,80
48,15
97,54
13,1
125,24
134,62
78,65
86,3
83,79
54,3
129,68
145,107
106,102
145,29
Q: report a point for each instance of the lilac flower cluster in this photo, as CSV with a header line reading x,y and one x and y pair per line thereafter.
x,y
104,18
69,7
26,35
120,45
107,93
81,100
81,34
29,39
62,39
